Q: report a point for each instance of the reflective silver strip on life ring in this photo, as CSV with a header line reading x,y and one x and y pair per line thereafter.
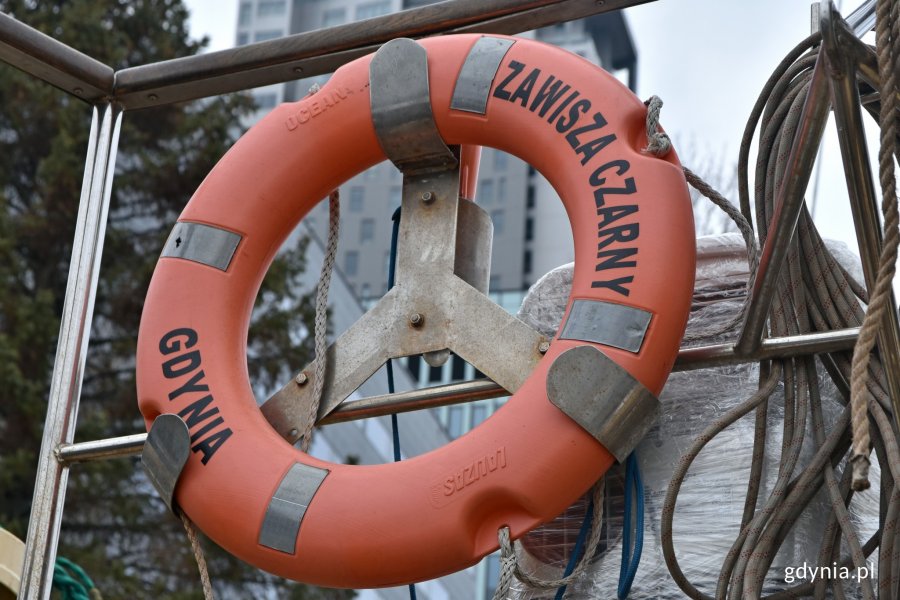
x,y
288,505
607,323
603,398
473,86
204,244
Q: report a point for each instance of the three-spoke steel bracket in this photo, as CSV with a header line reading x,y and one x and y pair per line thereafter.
x,y
434,305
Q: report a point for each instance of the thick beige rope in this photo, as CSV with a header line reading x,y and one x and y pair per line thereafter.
x,y
888,25
198,555
659,144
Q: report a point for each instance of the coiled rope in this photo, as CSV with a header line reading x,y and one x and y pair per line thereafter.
x,y
814,294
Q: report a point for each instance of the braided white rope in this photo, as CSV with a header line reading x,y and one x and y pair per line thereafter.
x,y
321,324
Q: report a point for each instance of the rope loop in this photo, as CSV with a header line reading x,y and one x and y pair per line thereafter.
x,y
658,142
321,324
509,565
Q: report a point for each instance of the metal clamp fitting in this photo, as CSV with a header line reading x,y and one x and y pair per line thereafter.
x,y
603,398
401,109
165,453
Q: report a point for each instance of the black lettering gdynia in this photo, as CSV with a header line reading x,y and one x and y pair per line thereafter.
x,y
570,114
197,408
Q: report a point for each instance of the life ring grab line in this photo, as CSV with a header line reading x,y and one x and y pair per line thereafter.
x,y
337,544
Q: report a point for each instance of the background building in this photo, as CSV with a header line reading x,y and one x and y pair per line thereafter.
x,y
531,230
531,236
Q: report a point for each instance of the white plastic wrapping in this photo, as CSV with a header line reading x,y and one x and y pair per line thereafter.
x,y
711,500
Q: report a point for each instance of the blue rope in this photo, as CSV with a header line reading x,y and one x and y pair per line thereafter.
x,y
579,545
395,425
629,566
395,233
634,486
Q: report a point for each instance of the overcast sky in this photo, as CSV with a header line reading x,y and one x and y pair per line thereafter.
x,y
707,60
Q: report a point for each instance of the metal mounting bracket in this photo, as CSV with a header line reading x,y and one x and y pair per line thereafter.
x,y
603,398
438,303
165,453
401,109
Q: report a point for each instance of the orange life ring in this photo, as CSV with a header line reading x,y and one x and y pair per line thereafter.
x,y
372,526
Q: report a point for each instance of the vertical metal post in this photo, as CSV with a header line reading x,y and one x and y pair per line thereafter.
x,y
861,187
68,369
788,204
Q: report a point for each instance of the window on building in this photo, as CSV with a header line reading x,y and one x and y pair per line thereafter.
x,y
499,219
529,229
333,16
531,171
267,34
351,263
243,39
414,364
372,9
245,13
526,261
366,230
435,374
266,101
396,197
270,8
357,194
501,189
458,369
500,160
485,191
455,422
529,197
479,414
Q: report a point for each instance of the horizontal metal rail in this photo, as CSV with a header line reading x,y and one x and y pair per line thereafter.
x,y
48,59
274,61
324,50
689,359
127,445
431,397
